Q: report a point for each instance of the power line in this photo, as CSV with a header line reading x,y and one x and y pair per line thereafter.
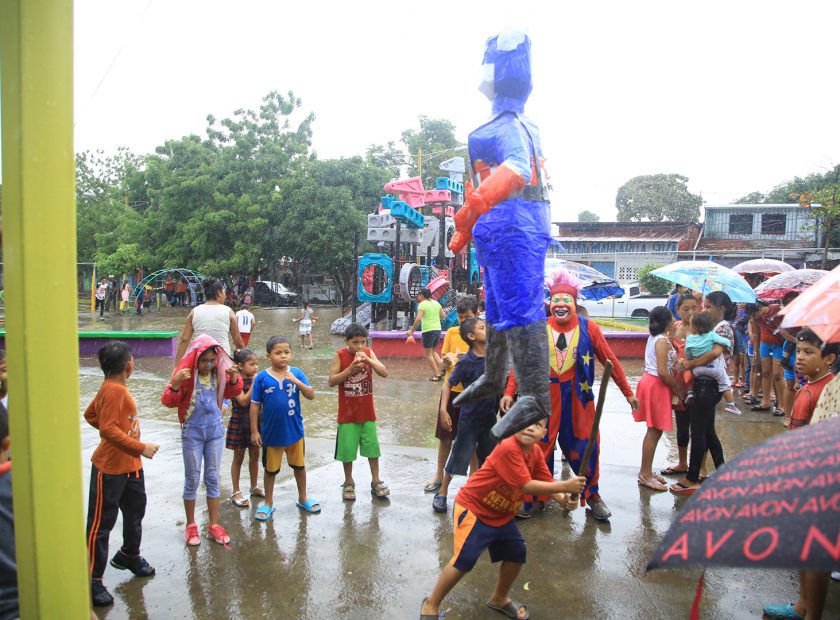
x,y
117,55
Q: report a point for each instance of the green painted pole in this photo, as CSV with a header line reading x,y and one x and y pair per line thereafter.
x,y
39,226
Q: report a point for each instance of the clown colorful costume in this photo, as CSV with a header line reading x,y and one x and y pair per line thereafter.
x,y
571,386
574,343
508,216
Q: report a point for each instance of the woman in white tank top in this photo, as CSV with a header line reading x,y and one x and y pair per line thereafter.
x,y
212,318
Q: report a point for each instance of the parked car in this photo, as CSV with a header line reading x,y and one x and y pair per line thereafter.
x,y
633,304
273,294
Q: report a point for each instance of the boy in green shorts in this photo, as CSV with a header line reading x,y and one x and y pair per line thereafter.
x,y
352,371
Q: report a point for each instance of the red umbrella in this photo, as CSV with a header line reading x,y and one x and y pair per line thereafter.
x,y
794,281
764,266
775,505
818,308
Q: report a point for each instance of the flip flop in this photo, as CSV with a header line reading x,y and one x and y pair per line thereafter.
x,y
653,484
673,471
660,479
432,487
436,378
258,492
264,512
309,506
511,610
242,502
430,616
760,408
678,488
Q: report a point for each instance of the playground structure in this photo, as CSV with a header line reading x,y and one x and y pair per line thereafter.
x,y
156,280
414,251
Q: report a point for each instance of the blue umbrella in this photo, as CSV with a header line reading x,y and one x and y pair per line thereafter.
x,y
707,277
594,284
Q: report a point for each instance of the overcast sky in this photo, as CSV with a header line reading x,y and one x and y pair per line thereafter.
x,y
737,96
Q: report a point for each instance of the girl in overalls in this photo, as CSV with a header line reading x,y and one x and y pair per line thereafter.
x,y
204,377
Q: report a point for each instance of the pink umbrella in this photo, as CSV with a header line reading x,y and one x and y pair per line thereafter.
x,y
818,308
764,266
795,281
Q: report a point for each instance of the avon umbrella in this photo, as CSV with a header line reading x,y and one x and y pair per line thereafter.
x,y
707,277
775,505
794,281
763,266
594,284
818,308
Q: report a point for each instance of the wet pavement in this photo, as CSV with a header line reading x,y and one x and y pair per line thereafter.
x,y
378,559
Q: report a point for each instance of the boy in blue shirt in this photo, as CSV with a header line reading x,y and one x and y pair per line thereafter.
x,y
476,418
276,392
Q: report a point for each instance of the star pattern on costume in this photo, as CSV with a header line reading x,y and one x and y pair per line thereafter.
x,y
585,387
587,359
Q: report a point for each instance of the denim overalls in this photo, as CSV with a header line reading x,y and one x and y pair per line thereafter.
x,y
203,437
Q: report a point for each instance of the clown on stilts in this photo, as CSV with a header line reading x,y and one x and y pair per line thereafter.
x,y
574,342
507,215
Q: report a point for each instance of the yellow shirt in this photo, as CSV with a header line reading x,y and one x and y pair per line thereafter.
x,y
453,343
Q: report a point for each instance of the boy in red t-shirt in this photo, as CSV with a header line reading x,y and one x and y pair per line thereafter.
x,y
485,508
813,361
352,371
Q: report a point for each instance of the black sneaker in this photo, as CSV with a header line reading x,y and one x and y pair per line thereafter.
x,y
100,597
138,565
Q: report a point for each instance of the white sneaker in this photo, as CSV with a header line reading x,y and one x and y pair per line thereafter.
x,y
836,575
732,408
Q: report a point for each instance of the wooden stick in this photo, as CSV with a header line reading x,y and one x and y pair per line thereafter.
x,y
596,423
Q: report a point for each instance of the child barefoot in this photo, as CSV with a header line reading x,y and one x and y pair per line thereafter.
x,y
701,340
352,371
202,380
276,392
239,430
484,517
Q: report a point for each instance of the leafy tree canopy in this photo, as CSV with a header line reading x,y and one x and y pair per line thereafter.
x,y
653,284
436,136
657,198
588,216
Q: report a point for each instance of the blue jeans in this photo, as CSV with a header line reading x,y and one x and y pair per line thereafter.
x,y
473,435
202,443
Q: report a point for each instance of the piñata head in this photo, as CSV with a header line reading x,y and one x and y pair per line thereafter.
x,y
506,71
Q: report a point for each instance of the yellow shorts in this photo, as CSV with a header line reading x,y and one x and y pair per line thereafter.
x,y
272,457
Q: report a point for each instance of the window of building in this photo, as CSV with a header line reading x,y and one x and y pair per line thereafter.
x,y
741,224
773,223
628,273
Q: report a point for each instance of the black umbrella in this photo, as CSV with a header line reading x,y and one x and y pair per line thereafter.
x,y
776,505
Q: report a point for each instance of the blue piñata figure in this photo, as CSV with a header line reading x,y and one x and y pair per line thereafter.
x,y
507,215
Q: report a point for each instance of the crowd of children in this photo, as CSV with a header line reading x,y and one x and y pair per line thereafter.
x,y
266,420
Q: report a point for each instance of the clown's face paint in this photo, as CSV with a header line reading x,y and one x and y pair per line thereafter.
x,y
563,309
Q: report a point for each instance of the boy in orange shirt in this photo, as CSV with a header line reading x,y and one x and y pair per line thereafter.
x,y
485,508
116,477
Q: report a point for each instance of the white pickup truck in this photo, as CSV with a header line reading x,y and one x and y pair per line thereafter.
x,y
633,304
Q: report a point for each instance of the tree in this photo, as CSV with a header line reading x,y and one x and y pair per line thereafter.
x,y
653,284
823,207
588,216
216,203
753,198
105,209
387,157
657,198
436,135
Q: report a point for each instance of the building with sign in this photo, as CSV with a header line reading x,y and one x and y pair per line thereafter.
x,y
619,249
